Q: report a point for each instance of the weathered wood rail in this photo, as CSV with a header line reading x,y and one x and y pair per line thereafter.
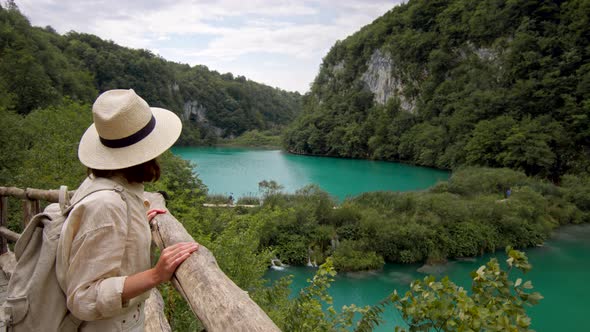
x,y
216,300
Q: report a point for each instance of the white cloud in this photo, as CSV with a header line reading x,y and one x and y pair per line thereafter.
x,y
298,41
300,32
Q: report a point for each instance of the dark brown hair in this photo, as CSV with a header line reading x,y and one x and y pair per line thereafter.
x,y
146,172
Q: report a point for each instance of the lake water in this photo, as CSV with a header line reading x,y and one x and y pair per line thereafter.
x,y
238,171
561,272
561,269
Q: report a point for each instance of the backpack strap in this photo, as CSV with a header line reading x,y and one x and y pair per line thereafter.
x,y
64,199
93,189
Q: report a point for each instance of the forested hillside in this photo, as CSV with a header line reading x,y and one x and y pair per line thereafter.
x,y
445,83
38,67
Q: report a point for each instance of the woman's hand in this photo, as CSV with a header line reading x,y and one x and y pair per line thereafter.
x,y
171,257
169,260
151,214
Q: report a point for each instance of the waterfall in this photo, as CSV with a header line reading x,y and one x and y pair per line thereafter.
x,y
334,242
276,264
309,262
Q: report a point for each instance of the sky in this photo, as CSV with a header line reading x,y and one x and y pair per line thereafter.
x,y
276,42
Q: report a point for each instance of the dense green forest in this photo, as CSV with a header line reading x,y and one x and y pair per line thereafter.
x,y
38,67
500,83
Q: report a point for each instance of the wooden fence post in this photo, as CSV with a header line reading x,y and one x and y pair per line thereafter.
x,y
3,223
36,206
216,300
155,320
30,207
28,211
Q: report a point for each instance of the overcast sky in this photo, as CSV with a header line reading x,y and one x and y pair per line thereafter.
x,y
276,42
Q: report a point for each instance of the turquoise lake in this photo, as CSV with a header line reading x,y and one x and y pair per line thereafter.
x,y
561,271
561,268
238,171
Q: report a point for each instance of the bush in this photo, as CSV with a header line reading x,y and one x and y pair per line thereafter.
x,y
495,303
473,181
293,250
577,191
350,257
217,199
248,200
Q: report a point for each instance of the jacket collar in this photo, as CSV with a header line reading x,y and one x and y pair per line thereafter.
x,y
132,187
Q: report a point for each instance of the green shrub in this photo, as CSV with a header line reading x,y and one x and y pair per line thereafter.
x,y
473,181
349,256
248,200
293,250
217,199
577,191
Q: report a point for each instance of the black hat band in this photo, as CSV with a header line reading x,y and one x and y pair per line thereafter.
x,y
132,139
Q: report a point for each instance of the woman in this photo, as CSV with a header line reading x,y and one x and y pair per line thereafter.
x,y
103,261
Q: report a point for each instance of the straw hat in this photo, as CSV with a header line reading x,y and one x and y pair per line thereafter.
x,y
126,131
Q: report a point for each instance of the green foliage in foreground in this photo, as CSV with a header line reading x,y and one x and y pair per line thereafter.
x,y
496,302
312,308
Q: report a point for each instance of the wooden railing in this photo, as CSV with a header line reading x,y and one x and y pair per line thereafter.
x,y
30,205
216,300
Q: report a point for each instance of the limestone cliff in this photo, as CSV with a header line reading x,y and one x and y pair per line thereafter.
x,y
383,82
196,112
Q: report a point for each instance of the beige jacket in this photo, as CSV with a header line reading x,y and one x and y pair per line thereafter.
x,y
98,248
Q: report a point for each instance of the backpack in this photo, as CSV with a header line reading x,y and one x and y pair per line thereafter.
x,y
34,300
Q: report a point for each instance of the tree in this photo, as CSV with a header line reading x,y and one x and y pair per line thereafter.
x,y
527,147
485,144
52,157
423,144
269,187
12,150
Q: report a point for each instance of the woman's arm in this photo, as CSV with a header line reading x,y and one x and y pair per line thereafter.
x,y
170,259
92,277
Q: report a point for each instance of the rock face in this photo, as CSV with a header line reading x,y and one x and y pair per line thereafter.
x,y
483,53
338,67
382,82
486,54
194,110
